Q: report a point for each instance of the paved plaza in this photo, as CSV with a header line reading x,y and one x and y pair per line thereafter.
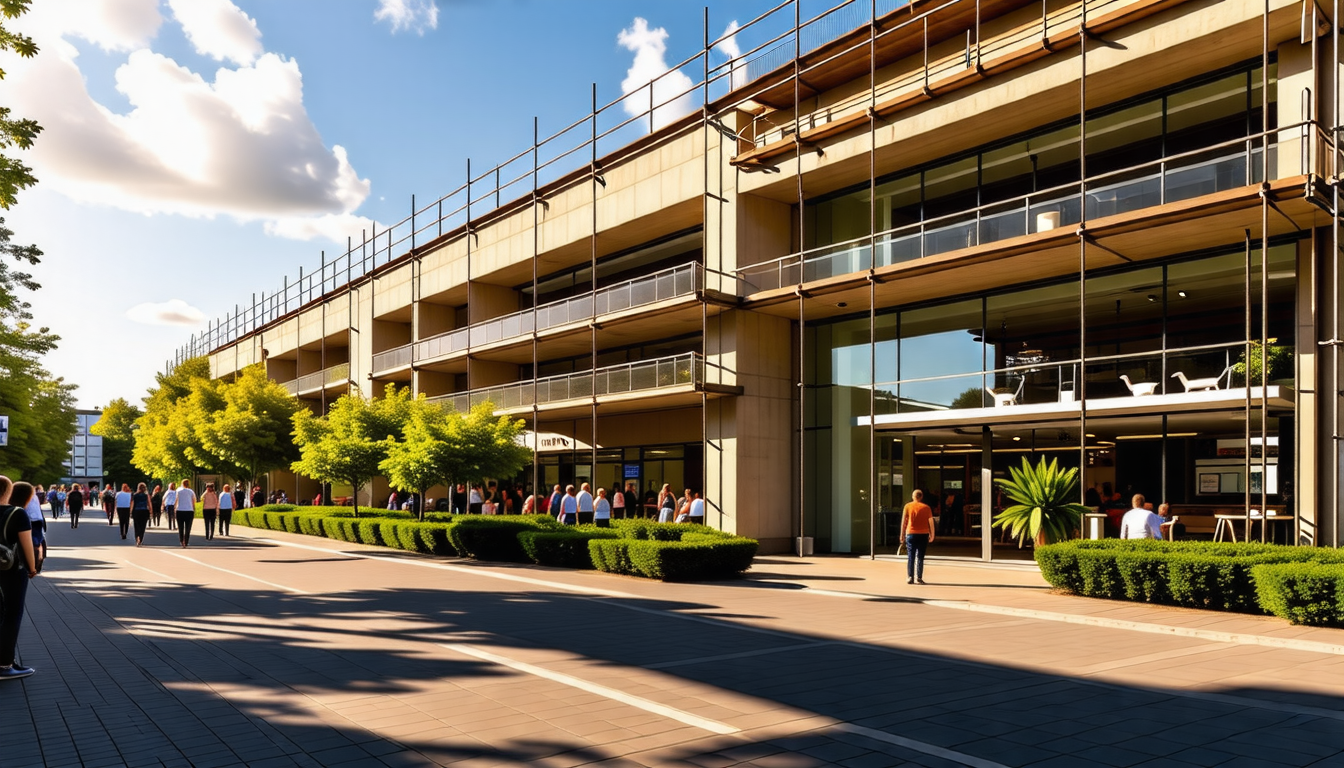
x,y
267,649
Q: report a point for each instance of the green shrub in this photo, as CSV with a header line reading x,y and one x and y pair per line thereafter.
x,y
1213,575
292,522
311,525
278,508
1303,593
368,531
648,529
563,549
692,560
433,539
611,555
390,532
494,537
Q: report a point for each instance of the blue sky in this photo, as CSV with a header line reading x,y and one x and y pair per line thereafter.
x,y
191,156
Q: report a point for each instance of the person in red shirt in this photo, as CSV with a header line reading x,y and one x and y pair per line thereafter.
x,y
917,529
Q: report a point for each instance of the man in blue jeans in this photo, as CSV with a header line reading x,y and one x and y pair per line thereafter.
x,y
917,530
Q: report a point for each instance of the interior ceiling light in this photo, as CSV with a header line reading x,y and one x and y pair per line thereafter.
x,y
1016,439
1155,437
1152,297
1183,294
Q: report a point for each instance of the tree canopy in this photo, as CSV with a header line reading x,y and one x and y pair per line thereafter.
x,y
252,431
352,440
14,132
117,428
166,444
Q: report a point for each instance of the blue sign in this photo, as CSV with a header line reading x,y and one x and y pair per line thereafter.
x,y
631,471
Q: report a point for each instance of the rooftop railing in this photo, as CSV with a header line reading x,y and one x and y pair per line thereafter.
x,y
766,43
318,380
645,376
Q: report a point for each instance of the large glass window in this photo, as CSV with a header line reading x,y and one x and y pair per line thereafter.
x,y
1005,190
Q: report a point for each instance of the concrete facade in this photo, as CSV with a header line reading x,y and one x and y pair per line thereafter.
x,y
670,292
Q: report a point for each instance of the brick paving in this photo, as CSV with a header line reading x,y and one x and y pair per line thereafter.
x,y
270,649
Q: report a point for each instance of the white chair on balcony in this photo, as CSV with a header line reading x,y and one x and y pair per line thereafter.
x,y
1002,399
1202,385
1140,389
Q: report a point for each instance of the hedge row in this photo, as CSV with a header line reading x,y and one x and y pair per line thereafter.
x,y
1302,584
670,552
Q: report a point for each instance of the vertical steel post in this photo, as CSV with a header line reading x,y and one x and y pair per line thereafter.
x,y
802,318
1264,281
873,505
1246,426
1081,384
592,260
536,246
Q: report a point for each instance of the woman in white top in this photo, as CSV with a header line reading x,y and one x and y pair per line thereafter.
x,y
170,504
124,509
225,510
602,509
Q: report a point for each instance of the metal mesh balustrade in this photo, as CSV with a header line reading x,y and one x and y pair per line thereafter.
x,y
646,375
392,358
665,284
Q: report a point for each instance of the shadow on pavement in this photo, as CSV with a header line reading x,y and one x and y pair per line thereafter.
x,y
202,657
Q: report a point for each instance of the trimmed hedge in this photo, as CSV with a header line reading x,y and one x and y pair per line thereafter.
x,y
665,551
563,549
1303,593
702,558
495,537
1217,576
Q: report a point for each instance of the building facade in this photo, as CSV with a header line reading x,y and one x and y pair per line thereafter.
x,y
891,247
85,462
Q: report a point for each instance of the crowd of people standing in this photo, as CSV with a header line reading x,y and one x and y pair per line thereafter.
x,y
569,504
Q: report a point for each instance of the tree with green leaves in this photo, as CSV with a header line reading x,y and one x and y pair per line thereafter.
x,y
117,428
441,446
253,431
15,133
167,442
351,441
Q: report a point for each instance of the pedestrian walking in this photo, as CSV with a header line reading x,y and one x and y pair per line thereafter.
x,y
170,505
61,494
258,498
227,501
110,504
39,527
209,509
186,512
74,503
15,530
123,501
917,530
156,505
140,512
553,502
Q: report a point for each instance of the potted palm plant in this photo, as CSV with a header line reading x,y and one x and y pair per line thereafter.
x,y
1043,512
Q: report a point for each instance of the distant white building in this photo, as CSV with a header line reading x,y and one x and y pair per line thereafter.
x,y
85,462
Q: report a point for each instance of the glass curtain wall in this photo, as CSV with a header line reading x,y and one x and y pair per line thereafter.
x,y
1151,329
1189,140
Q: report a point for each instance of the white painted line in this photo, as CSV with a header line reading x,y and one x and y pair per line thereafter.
x,y
241,575
163,576
1238,638
713,726
741,655
919,746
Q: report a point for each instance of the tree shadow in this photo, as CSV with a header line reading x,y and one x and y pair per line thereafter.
x,y
200,656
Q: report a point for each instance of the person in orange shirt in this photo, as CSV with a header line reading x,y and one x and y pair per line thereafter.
x,y
917,529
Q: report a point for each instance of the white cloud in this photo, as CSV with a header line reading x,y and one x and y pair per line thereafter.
x,y
170,312
218,29
335,227
737,75
410,15
240,144
113,25
649,75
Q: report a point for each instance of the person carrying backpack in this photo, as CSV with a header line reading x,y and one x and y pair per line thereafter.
x,y
18,567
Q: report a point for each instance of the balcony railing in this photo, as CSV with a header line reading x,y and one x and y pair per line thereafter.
x,y
392,358
644,376
336,374
666,284
1182,177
